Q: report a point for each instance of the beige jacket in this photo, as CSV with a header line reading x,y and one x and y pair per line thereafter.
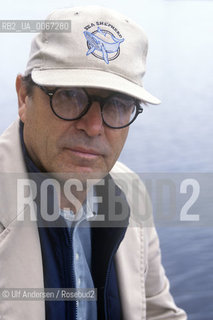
x,y
143,286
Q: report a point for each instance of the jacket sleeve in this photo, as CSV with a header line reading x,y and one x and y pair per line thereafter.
x,y
159,302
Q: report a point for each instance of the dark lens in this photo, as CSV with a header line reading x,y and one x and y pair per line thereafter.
x,y
119,111
69,103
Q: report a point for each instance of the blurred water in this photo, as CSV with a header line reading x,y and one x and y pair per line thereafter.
x,y
175,136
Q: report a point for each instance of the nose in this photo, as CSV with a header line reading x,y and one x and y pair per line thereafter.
x,y
91,122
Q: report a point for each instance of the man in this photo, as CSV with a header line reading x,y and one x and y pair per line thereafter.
x,y
81,91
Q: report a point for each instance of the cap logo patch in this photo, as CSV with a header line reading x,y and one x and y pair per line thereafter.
x,y
103,44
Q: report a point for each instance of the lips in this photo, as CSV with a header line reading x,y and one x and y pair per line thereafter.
x,y
85,153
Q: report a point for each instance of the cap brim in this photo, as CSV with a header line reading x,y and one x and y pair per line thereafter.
x,y
93,79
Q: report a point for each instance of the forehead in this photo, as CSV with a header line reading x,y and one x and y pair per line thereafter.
x,y
93,91
99,92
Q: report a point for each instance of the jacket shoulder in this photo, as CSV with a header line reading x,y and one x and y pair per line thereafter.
x,y
10,150
136,194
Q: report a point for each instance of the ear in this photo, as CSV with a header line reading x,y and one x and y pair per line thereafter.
x,y
22,98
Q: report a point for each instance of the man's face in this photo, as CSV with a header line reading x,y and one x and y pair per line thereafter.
x,y
83,147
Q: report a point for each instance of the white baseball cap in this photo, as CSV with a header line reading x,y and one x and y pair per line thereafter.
x,y
104,49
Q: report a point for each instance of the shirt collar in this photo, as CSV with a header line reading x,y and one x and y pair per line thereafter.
x,y
87,210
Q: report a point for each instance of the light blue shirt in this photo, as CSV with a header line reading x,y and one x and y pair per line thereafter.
x,y
81,238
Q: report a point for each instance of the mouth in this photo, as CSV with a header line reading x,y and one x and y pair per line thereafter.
x,y
84,153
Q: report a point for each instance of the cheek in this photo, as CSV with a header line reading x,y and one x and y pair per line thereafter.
x,y
117,140
38,135
34,138
121,137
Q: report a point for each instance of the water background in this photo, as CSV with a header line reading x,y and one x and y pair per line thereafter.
x,y
175,137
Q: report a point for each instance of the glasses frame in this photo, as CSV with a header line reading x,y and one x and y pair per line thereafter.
x,y
91,99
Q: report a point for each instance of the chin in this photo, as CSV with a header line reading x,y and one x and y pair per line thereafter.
x,y
83,174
